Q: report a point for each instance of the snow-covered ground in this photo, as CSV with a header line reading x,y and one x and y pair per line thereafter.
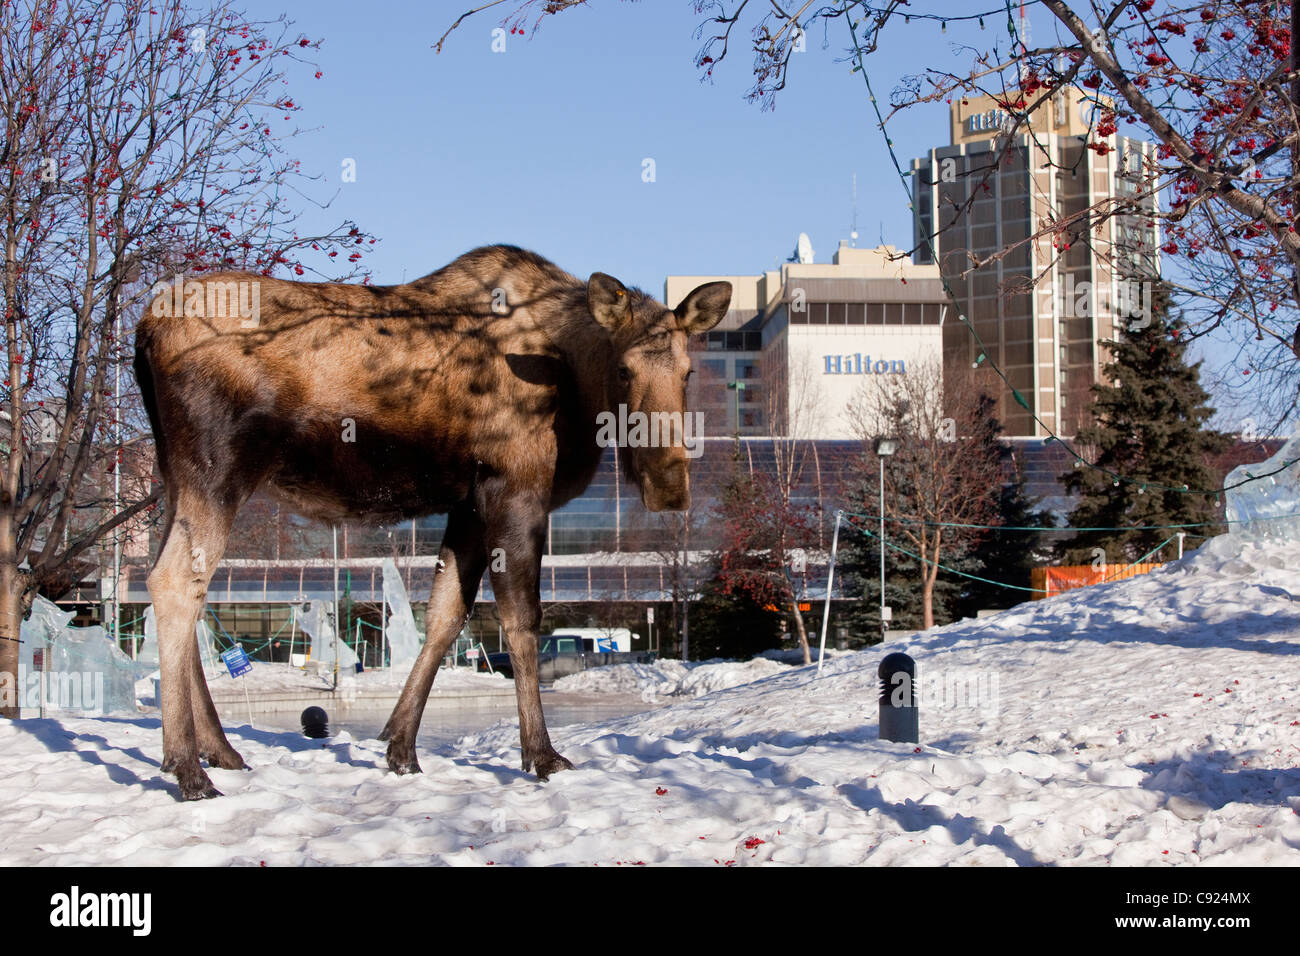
x,y
1148,722
272,678
669,678
286,679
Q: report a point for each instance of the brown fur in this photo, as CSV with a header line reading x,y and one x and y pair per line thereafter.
x,y
473,391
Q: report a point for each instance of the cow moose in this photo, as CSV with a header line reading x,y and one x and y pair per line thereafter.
x,y
474,391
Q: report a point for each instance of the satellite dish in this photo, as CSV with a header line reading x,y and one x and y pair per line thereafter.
x,y
803,250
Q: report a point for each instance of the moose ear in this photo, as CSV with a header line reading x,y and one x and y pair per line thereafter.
x,y
704,307
608,301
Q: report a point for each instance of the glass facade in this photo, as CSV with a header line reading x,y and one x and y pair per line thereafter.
x,y
1020,299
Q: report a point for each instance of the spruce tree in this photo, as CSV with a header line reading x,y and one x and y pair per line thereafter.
x,y
1148,426
857,568
1007,557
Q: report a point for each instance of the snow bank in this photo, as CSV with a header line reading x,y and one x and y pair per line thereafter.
x,y
267,678
1151,721
668,678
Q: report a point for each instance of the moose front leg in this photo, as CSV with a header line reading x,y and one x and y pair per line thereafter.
x,y
455,583
515,540
211,738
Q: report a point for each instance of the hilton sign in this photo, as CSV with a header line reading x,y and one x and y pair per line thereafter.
x,y
990,122
859,364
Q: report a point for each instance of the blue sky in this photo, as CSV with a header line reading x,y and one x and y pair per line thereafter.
x,y
543,145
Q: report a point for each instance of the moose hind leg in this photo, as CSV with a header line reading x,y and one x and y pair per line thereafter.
x,y
450,600
178,586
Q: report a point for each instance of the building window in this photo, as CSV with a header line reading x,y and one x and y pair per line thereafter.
x,y
748,341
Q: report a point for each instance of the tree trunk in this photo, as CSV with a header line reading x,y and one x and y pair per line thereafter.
x,y
927,601
686,630
11,607
929,574
686,594
932,575
803,633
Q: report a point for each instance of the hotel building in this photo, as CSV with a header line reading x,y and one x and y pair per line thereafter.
x,y
794,349
1041,306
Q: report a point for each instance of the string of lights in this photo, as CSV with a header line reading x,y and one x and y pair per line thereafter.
x,y
1002,584
1052,530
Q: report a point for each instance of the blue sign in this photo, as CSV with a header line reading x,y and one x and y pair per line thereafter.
x,y
236,661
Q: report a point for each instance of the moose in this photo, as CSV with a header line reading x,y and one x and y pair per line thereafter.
x,y
472,392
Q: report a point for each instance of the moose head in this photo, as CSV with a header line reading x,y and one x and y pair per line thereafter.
x,y
646,377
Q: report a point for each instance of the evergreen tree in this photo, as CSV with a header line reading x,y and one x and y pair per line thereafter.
x,y
1007,557
728,622
858,566
1148,425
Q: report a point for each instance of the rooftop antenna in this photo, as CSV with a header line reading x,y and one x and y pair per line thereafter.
x,y
853,232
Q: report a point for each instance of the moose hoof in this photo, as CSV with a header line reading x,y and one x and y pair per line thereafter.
x,y
548,764
401,760
194,783
225,759
197,786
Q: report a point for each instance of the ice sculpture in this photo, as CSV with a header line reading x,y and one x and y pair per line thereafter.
x,y
403,638
148,652
317,620
1268,507
39,629
83,671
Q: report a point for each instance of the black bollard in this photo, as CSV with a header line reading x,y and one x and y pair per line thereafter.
x,y
900,714
315,722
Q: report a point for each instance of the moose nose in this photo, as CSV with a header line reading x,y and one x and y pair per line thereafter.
x,y
667,489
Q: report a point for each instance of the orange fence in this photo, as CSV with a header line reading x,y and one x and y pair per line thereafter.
x,y
1057,580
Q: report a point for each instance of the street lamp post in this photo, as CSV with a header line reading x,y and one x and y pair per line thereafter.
x,y
738,387
884,448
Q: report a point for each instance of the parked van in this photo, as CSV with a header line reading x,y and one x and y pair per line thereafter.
x,y
591,639
570,650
